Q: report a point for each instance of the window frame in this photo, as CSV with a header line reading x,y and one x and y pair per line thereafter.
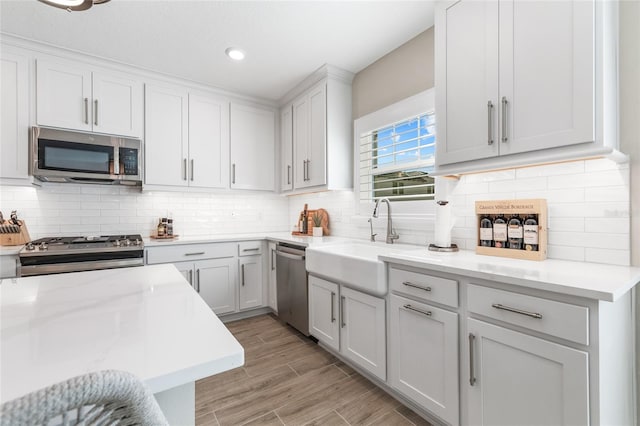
x,y
420,103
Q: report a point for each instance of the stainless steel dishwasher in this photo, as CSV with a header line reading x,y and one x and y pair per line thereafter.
x,y
291,279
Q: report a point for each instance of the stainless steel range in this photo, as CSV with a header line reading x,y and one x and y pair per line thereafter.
x,y
73,254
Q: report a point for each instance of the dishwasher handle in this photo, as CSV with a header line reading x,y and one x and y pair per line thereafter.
x,y
289,256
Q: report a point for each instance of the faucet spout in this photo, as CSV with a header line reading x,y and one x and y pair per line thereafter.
x,y
391,234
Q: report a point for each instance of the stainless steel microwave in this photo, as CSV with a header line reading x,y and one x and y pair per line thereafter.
x,y
69,156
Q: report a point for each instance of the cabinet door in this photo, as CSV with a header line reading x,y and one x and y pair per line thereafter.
x,y
317,148
252,148
467,80
117,105
521,377
215,280
300,141
323,312
166,136
250,282
187,271
286,148
363,331
14,119
208,142
546,76
273,289
63,96
424,356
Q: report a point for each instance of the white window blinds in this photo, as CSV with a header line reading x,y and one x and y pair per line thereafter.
x,y
395,160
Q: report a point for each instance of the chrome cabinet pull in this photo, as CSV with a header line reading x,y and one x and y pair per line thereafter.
x,y
191,170
86,110
251,249
191,278
233,173
197,253
95,112
242,267
198,279
472,374
333,317
308,167
304,170
184,169
504,120
420,311
273,261
410,284
289,175
517,311
489,122
342,303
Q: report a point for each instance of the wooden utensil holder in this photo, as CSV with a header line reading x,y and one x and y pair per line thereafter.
x,y
537,207
15,239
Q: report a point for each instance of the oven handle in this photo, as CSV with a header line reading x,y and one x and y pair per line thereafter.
x,y
58,268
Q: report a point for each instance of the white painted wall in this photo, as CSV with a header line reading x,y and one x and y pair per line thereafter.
x,y
70,209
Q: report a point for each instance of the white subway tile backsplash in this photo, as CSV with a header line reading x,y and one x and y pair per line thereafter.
x,y
616,225
586,239
568,168
532,184
614,257
566,253
607,193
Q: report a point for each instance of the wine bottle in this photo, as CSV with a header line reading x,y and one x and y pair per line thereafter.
x,y
514,232
500,231
305,220
486,231
531,233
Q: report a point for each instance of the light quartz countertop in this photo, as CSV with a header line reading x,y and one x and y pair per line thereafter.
x,y
146,320
588,280
284,237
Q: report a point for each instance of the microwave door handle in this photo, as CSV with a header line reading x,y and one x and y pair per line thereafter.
x,y
116,160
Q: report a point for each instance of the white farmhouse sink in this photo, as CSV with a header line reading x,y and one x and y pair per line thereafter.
x,y
354,264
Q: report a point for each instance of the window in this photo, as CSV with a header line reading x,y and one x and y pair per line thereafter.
x,y
395,160
395,152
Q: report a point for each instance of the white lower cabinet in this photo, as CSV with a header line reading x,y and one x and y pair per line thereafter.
x,y
362,331
515,378
423,358
214,280
250,289
349,322
323,312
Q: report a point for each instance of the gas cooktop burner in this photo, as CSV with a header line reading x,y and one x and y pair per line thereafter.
x,y
104,243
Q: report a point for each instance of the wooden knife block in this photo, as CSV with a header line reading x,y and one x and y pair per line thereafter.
x,y
15,239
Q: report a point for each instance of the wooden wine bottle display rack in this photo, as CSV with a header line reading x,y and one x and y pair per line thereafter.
x,y
522,208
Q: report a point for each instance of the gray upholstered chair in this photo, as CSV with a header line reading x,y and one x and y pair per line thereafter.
x,y
102,398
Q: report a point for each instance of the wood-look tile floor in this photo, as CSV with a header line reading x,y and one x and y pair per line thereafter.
x,y
289,380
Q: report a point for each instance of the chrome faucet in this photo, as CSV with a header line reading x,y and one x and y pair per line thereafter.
x,y
391,233
373,236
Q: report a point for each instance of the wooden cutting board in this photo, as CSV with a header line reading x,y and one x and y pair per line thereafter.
x,y
325,222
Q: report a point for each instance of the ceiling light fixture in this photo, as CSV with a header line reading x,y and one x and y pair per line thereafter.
x,y
235,53
73,5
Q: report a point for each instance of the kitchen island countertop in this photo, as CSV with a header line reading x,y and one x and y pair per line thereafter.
x,y
146,320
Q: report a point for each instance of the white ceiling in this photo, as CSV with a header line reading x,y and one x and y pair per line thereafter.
x,y
284,40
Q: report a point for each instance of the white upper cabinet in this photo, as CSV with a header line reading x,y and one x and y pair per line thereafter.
x,y
14,119
321,135
252,147
208,142
166,136
187,138
518,77
310,137
286,149
72,96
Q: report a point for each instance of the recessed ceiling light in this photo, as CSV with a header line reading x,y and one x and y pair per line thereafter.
x,y
235,53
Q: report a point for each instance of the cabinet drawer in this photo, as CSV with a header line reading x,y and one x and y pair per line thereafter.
x,y
186,252
249,248
423,286
558,319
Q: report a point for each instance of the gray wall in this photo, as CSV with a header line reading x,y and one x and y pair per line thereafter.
x,y
399,74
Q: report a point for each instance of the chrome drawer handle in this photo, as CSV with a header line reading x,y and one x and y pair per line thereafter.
x,y
420,311
410,284
194,254
251,249
517,311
